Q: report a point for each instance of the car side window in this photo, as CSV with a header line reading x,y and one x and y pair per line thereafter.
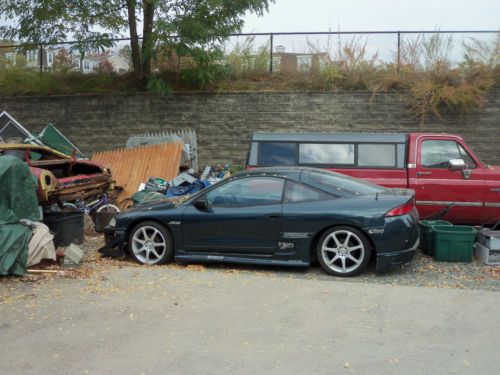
x,y
245,192
437,154
296,193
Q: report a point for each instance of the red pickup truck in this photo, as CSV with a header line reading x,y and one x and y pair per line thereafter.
x,y
441,168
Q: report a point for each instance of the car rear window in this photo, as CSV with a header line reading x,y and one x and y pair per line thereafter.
x,y
298,193
332,181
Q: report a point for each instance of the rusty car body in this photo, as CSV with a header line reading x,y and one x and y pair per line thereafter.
x,y
60,177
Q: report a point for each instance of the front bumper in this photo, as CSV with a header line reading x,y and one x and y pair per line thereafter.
x,y
114,239
396,258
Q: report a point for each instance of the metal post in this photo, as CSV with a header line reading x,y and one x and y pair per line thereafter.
x,y
399,51
41,59
271,53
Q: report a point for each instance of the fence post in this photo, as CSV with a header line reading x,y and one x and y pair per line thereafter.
x,y
41,59
399,51
271,37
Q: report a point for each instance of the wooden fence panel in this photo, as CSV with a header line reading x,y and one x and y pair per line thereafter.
x,y
131,166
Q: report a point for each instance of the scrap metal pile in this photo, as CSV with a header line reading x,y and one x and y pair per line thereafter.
x,y
44,179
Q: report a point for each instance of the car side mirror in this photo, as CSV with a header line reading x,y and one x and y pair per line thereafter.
x,y
201,204
457,164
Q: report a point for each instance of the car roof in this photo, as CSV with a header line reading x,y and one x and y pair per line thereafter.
x,y
329,137
281,171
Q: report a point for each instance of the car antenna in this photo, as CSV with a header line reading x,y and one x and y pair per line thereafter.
x,y
376,196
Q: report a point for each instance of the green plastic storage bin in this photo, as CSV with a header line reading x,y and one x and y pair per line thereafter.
x,y
453,243
426,232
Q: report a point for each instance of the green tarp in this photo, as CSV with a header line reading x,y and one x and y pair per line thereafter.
x,y
18,200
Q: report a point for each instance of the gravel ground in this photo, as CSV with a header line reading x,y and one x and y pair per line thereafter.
x,y
423,271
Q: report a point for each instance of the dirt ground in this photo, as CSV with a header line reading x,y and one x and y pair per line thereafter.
x,y
117,317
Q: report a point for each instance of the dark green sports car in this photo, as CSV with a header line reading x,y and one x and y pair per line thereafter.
x,y
286,216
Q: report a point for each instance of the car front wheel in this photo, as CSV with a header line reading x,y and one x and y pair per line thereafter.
x,y
150,243
343,251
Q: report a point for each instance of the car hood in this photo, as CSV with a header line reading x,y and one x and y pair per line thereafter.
x,y
151,206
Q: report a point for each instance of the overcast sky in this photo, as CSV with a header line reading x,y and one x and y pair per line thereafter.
x,y
373,15
362,15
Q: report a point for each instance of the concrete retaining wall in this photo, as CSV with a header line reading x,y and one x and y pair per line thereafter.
x,y
224,122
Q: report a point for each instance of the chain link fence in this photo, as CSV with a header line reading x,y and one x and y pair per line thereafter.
x,y
270,52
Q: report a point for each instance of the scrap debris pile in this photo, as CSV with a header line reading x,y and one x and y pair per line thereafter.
x,y
159,167
51,193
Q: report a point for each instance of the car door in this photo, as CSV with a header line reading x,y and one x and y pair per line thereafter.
x,y
438,185
242,216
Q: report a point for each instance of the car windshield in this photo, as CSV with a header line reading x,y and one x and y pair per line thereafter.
x,y
332,181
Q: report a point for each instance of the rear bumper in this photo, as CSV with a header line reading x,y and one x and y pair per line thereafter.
x,y
396,258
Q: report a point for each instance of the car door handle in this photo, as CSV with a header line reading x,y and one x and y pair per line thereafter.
x,y
274,216
423,173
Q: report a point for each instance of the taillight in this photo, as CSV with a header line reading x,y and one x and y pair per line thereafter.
x,y
403,209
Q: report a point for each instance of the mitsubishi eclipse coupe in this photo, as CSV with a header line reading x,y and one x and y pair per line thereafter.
x,y
287,216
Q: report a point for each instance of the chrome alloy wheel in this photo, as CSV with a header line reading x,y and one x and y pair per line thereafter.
x,y
149,245
342,251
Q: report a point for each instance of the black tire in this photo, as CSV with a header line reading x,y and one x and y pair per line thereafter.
x,y
343,251
147,239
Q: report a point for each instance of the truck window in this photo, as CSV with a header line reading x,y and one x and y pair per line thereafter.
x,y
276,153
437,154
326,153
377,155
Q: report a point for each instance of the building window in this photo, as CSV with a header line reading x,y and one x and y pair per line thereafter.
x,y
10,58
276,63
86,65
304,63
31,57
50,58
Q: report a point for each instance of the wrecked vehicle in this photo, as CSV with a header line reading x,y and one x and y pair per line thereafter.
x,y
60,177
285,216
441,168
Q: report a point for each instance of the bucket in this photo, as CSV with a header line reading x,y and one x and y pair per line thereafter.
x,y
67,227
102,219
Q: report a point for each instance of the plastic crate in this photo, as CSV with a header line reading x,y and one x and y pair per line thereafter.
x,y
488,256
426,237
489,238
453,243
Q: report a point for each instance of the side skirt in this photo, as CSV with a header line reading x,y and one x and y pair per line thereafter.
x,y
224,258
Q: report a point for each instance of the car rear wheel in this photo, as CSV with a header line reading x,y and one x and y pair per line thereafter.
x,y
343,251
150,243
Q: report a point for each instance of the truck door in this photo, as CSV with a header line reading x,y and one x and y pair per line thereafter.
x,y
438,184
